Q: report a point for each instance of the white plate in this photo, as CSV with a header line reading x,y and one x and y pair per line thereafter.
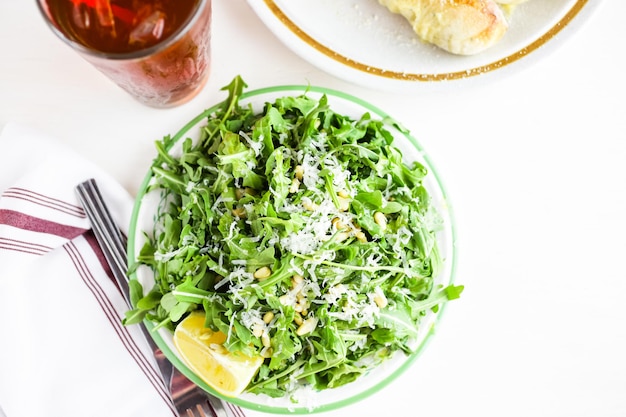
x,y
362,42
142,223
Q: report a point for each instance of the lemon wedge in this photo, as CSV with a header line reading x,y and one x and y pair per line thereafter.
x,y
203,351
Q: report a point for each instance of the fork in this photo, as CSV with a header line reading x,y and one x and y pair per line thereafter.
x,y
188,399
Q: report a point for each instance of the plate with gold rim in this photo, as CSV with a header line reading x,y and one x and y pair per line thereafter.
x,y
362,42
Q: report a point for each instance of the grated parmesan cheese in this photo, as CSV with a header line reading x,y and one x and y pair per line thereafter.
x,y
257,147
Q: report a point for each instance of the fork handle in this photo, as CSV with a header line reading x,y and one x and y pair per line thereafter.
x,y
113,245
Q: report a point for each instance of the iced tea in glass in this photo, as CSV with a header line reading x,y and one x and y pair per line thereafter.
x,y
157,50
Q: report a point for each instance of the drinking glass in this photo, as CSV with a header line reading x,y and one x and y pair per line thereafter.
x,y
169,70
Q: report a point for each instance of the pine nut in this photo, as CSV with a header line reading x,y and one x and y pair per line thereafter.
x,y
299,172
380,220
344,204
268,317
341,236
380,300
262,273
284,299
295,185
257,330
296,280
309,205
307,326
338,224
361,237
265,339
266,352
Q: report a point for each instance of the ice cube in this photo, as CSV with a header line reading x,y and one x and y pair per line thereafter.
x,y
149,30
81,16
96,15
104,13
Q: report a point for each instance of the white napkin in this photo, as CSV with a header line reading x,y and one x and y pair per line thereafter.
x,y
63,349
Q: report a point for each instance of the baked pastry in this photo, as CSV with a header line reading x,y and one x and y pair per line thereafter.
x,y
463,27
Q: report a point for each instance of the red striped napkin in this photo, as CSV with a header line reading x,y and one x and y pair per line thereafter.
x,y
63,349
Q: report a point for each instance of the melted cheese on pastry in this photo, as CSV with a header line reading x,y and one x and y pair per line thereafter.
x,y
463,27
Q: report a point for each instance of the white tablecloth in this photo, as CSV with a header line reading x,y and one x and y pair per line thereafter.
x,y
534,166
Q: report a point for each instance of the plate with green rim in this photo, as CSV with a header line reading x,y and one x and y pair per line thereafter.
x,y
143,223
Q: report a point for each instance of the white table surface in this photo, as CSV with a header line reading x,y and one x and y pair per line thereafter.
x,y
535,164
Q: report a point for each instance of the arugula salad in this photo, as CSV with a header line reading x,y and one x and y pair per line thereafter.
x,y
301,234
